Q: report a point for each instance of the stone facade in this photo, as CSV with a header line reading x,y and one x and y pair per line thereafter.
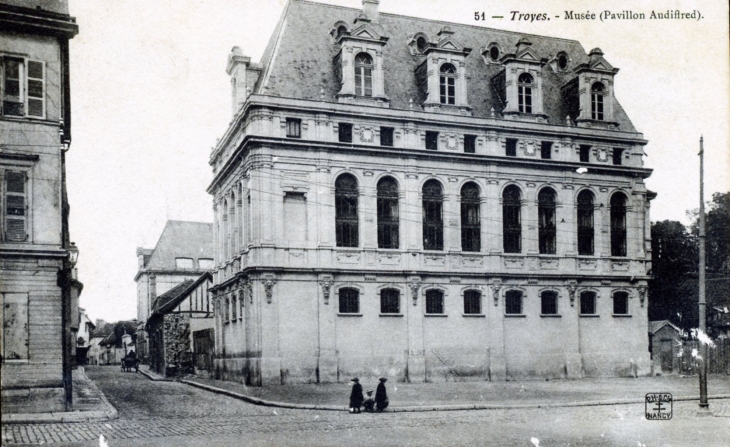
x,y
424,234
38,284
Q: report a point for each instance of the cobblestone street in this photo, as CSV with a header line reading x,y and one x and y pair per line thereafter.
x,y
175,414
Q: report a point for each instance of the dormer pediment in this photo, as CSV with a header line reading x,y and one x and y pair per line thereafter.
x,y
367,32
528,55
601,64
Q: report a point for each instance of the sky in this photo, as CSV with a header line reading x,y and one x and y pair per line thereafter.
x,y
150,96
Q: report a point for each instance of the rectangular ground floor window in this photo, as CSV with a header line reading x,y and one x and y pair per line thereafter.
x,y
472,302
513,302
14,339
389,301
620,303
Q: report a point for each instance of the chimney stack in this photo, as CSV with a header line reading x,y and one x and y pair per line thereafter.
x,y
236,69
371,9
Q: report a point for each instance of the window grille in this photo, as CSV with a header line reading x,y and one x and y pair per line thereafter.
x,y
618,225
513,302
433,227
546,219
388,213
472,302
389,301
434,302
346,214
511,220
549,303
588,303
621,303
470,220
585,223
349,301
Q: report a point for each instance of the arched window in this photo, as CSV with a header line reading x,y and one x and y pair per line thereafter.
x,y
618,225
390,301
225,236
585,223
448,84
234,307
434,301
620,303
388,213
470,222
472,302
363,75
524,93
433,224
227,311
341,30
346,222
511,220
588,303
232,231
513,302
349,301
546,221
549,302
597,94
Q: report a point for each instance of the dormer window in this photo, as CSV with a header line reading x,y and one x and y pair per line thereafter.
x,y
363,75
421,44
524,93
341,30
494,53
562,61
447,79
597,93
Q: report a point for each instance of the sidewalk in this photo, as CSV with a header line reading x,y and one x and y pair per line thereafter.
x,y
90,405
409,397
152,375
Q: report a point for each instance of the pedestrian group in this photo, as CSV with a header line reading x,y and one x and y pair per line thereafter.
x,y
371,405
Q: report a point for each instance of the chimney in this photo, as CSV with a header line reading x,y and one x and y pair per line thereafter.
x,y
236,69
370,9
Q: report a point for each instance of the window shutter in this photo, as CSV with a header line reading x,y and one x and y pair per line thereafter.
x,y
15,206
36,103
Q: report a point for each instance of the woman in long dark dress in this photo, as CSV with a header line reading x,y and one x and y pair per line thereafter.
x,y
356,398
381,397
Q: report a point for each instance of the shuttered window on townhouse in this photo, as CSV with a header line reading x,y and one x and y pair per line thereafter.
x,y
15,213
12,88
35,102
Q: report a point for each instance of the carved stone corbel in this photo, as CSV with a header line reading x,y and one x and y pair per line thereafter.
x,y
642,294
572,287
326,283
496,287
414,286
269,281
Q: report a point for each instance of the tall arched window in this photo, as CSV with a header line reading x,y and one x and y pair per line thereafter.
x,y
524,93
511,219
232,230
447,80
470,221
388,230
597,94
234,307
363,75
546,221
346,222
225,236
239,219
618,225
585,223
433,224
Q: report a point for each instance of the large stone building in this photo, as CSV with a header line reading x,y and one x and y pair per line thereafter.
x,y
427,201
183,251
38,282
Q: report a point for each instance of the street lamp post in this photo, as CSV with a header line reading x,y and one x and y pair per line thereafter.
x,y
702,351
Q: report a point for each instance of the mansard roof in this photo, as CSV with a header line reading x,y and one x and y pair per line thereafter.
x,y
182,239
298,62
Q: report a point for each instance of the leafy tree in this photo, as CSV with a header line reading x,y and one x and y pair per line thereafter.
x,y
80,341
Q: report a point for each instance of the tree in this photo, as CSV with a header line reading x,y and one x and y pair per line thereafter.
x,y
80,341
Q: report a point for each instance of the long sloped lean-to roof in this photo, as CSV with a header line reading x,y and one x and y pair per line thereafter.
x,y
298,62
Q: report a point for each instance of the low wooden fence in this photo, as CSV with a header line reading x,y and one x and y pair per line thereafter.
x,y
718,357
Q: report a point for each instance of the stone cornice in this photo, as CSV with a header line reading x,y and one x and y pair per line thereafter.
x,y
37,21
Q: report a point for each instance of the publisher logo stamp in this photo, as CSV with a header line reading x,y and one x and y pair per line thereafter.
x,y
658,406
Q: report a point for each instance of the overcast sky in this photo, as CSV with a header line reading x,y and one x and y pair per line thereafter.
x,y
150,96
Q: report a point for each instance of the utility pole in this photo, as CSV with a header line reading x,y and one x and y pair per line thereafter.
x,y
704,405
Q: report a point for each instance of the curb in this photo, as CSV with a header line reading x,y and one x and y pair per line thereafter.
x,y
154,377
66,416
415,409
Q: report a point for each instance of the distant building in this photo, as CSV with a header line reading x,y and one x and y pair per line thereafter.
x,y
428,201
181,328
183,251
83,337
665,346
38,284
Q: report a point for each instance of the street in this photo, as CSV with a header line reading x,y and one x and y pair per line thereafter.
x,y
175,414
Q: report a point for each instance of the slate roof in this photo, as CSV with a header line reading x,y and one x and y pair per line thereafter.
x,y
654,326
182,239
297,63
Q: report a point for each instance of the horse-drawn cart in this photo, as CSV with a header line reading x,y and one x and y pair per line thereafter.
x,y
129,363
